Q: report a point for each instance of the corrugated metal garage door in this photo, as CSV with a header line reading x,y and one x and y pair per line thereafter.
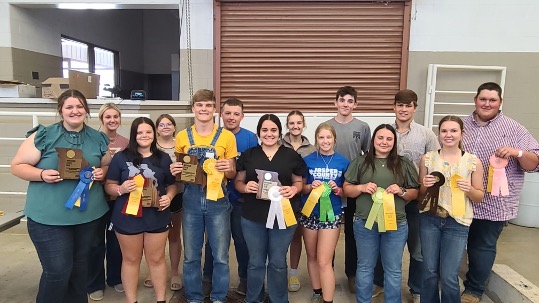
x,y
279,56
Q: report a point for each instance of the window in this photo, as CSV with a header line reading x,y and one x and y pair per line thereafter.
x,y
88,58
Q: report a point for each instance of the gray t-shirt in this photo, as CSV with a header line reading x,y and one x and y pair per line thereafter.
x,y
353,138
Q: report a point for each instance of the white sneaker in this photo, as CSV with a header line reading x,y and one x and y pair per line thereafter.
x,y
119,287
97,295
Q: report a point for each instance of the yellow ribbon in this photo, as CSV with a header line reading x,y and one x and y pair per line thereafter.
x,y
457,197
135,196
288,212
313,198
390,216
490,177
214,189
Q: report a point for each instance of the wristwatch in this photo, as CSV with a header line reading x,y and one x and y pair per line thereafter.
x,y
403,192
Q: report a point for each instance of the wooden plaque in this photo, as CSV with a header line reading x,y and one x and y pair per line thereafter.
x,y
266,180
150,196
192,172
70,162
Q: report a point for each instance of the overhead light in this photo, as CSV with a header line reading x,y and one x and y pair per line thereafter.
x,y
86,5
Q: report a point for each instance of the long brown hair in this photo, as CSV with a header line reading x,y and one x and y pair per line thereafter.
x,y
394,161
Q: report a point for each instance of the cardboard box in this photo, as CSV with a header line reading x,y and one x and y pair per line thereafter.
x,y
16,89
86,83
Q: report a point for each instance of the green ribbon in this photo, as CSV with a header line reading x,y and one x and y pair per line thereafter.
x,y
377,212
326,210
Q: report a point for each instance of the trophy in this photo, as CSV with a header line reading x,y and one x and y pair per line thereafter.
x,y
70,162
192,172
266,180
150,196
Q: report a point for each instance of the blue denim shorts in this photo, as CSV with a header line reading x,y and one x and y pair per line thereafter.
x,y
313,222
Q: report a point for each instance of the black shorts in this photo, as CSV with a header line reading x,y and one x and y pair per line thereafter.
x,y
155,231
176,205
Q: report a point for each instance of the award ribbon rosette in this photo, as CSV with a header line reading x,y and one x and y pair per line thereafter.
x,y
214,180
326,210
79,196
433,193
321,193
133,206
497,177
457,197
280,209
382,211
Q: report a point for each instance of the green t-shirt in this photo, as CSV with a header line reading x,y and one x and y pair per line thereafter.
x,y
383,177
45,202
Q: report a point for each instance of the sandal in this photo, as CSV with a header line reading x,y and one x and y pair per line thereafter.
x,y
175,283
148,282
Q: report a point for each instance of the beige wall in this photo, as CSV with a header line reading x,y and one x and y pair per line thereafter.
x,y
25,62
202,63
6,64
520,101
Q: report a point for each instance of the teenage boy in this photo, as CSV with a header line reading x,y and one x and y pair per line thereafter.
x,y
232,114
353,139
201,215
413,141
488,132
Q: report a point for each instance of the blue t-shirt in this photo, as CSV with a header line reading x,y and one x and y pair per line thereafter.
x,y
326,168
121,169
245,139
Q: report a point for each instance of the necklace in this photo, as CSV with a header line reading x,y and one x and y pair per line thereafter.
x,y
327,163
270,156
112,140
383,163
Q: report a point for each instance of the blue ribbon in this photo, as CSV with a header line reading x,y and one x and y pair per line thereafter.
x,y
81,190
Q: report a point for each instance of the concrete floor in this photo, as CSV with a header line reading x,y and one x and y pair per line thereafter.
x,y
20,269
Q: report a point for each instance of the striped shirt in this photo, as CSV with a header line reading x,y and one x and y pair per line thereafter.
x,y
483,141
416,142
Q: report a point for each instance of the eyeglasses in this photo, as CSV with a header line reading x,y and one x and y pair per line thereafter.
x,y
165,124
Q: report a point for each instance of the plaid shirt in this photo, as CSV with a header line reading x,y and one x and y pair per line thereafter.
x,y
416,142
483,141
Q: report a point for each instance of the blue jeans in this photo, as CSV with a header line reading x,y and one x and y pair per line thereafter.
x,y
63,252
271,245
482,240
390,245
415,270
105,245
199,216
242,254
443,241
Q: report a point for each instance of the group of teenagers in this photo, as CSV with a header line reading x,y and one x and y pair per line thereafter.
x,y
400,185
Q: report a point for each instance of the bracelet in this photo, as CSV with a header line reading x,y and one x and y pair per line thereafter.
x,y
41,175
118,190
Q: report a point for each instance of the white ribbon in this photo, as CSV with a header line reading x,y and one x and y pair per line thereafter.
x,y
276,209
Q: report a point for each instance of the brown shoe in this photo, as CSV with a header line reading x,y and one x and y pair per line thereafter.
x,y
469,298
352,284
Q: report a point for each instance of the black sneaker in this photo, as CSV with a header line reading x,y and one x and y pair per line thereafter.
x,y
242,288
206,288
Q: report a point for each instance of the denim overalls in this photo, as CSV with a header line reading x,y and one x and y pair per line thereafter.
x,y
199,216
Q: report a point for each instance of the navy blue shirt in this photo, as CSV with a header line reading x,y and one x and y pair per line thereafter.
x,y
121,169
